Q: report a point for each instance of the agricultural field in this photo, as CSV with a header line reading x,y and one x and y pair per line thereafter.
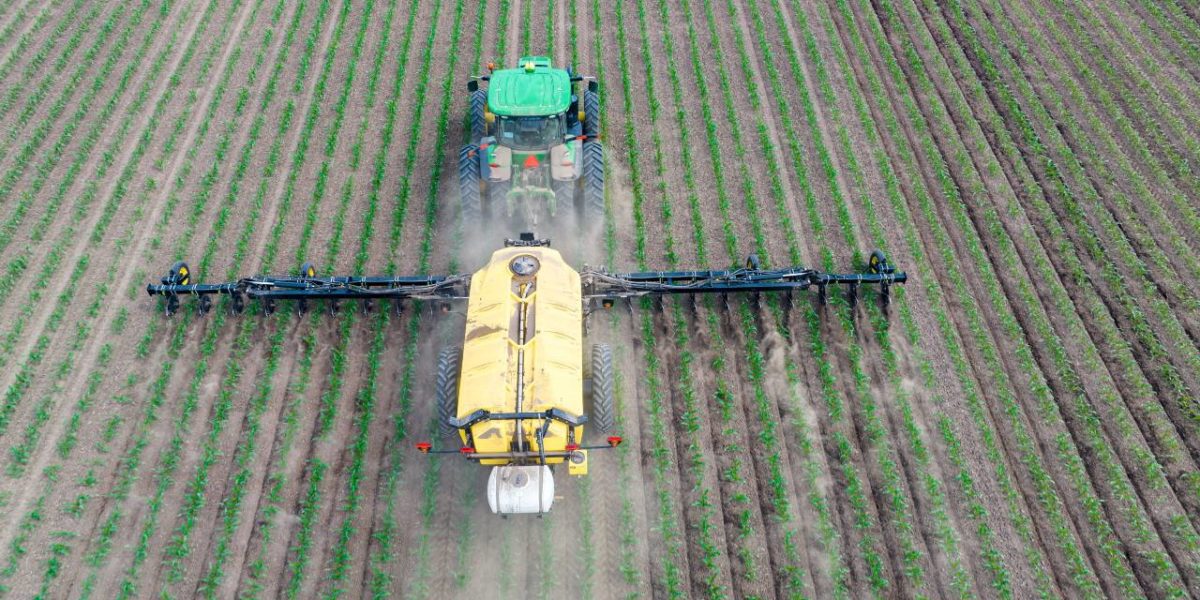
x,y
1021,421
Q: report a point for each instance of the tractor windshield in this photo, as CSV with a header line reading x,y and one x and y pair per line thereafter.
x,y
531,133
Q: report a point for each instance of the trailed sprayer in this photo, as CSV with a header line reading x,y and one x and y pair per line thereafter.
x,y
523,393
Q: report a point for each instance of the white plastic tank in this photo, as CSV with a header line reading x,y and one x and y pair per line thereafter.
x,y
513,490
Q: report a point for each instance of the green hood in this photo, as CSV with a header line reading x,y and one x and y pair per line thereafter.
x,y
534,89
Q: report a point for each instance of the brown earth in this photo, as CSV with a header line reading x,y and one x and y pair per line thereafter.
x,y
1020,420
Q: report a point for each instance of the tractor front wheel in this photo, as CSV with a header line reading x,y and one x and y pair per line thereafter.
x,y
470,208
593,182
478,115
447,388
591,115
564,194
602,415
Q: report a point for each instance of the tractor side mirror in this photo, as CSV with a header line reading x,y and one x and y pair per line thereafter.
x,y
472,85
593,86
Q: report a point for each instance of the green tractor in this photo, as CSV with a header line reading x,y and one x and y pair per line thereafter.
x,y
534,147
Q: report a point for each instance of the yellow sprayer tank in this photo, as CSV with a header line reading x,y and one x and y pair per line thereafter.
x,y
522,353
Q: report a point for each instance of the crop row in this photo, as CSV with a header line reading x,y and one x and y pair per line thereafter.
x,y
1167,443
14,394
276,478
178,548
1114,475
36,63
992,558
126,472
430,490
17,50
21,452
892,486
629,565
170,460
67,441
1041,479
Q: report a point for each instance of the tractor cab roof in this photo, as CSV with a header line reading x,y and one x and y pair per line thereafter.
x,y
533,89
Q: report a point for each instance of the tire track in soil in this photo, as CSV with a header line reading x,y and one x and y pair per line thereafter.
x,y
74,388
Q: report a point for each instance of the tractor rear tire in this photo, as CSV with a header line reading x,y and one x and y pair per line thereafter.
x,y
497,200
591,114
478,117
593,182
564,195
470,208
603,414
448,364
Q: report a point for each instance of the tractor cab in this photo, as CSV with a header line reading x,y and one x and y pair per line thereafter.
x,y
533,149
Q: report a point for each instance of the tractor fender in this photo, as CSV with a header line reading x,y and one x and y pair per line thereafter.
x,y
495,162
566,160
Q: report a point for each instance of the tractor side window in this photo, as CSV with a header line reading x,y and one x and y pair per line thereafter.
x,y
531,133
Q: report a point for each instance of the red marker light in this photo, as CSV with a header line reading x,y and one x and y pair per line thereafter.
x,y
465,450
614,440
424,447
572,447
531,162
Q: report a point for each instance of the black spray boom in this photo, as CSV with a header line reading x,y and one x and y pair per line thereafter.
x,y
598,285
611,286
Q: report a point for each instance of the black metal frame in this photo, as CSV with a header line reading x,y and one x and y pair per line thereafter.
x,y
598,285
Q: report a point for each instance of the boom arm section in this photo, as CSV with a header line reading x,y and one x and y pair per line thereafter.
x,y
607,287
307,286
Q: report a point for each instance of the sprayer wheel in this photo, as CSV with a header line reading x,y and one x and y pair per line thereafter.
x,y
180,274
447,388
602,414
